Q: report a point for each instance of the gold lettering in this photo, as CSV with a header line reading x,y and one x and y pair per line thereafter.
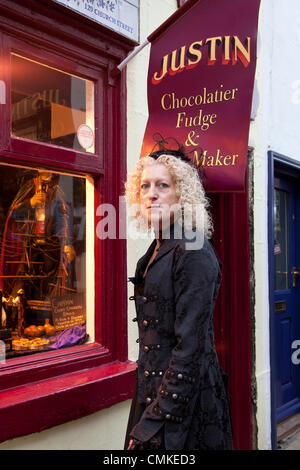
x,y
210,98
188,56
228,157
233,158
233,92
212,46
213,119
214,160
204,157
197,119
163,101
210,160
218,161
226,49
156,79
170,101
181,65
194,51
196,158
226,93
191,98
180,118
245,53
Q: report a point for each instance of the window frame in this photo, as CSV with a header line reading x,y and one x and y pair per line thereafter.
x,y
50,388
65,158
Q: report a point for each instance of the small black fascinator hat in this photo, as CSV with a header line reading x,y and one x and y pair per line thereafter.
x,y
167,146
170,146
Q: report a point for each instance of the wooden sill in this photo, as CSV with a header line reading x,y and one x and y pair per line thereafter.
x,y
40,405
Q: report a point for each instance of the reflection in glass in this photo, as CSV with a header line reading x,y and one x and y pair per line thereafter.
x,y
51,106
281,237
42,264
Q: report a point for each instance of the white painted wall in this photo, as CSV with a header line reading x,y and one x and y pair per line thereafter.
x,y
103,430
259,139
285,79
276,127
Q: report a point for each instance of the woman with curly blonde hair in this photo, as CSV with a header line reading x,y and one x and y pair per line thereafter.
x,y
191,196
180,400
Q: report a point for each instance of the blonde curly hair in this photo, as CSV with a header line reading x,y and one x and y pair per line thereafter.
x,y
189,190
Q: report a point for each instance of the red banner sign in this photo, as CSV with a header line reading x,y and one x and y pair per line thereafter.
x,y
200,85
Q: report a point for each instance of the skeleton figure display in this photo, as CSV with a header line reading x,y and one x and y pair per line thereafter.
x,y
37,247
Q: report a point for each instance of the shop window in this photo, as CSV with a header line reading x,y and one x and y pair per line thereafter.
x,y
43,261
62,154
51,106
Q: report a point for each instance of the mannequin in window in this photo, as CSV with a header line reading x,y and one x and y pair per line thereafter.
x,y
37,250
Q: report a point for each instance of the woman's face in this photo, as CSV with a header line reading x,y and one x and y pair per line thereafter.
x,y
158,197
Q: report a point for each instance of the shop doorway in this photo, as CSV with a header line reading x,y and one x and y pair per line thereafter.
x,y
232,315
284,276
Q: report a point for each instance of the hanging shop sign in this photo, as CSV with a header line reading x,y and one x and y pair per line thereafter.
x,y
200,85
121,16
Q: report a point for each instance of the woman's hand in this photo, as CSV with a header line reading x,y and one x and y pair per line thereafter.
x,y
134,444
155,443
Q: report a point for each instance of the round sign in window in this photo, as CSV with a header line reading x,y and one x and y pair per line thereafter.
x,y
85,136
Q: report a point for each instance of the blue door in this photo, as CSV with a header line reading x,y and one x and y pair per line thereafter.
x,y
287,296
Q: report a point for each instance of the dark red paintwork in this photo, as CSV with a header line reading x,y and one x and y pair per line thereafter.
x,y
47,389
52,388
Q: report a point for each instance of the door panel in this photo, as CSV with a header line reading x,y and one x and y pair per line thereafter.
x,y
232,315
286,295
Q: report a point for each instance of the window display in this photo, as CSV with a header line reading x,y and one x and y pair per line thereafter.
x,y
51,106
42,264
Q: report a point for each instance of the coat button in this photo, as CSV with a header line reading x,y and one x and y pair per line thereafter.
x,y
158,346
180,376
145,323
146,373
146,348
174,396
168,416
148,400
160,373
144,299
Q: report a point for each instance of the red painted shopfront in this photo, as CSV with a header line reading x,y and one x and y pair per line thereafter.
x,y
69,62
56,76
234,309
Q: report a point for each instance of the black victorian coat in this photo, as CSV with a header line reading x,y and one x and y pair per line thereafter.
x,y
180,389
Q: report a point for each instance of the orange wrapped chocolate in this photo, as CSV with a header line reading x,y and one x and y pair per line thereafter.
x,y
32,331
50,330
